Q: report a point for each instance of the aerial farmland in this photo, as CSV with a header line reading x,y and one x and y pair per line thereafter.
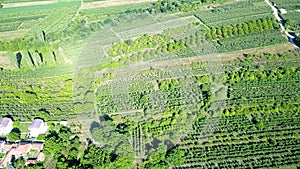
x,y
133,84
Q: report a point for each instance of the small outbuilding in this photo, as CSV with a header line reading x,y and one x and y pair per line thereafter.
x,y
282,11
6,125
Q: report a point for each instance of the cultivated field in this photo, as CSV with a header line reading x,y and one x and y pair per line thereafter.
x,y
180,84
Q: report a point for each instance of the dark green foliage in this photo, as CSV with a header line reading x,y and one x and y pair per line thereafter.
x,y
95,157
19,163
14,135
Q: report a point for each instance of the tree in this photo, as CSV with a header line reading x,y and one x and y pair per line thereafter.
x,y
246,28
175,156
95,157
224,31
214,33
235,30
240,29
19,163
14,135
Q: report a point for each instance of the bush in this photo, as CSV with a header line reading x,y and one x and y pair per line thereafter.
x,y
14,135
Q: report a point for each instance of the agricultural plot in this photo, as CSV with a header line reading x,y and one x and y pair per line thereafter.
x,y
49,98
261,123
238,12
288,4
292,21
259,119
181,90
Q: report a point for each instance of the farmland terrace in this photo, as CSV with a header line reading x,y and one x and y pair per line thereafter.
x,y
155,84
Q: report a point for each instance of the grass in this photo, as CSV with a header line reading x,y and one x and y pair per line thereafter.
x,y
24,127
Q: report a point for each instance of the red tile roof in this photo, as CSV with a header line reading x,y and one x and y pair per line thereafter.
x,y
30,161
23,148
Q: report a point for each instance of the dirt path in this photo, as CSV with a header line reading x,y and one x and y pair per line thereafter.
x,y
10,5
223,58
62,54
107,3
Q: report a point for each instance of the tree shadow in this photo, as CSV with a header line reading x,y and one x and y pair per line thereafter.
x,y
19,59
94,125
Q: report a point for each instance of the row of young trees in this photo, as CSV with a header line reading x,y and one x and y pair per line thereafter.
x,y
239,29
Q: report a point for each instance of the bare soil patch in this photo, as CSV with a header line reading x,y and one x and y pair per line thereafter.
x,y
4,61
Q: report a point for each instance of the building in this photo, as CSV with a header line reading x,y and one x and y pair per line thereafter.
x,y
6,125
41,156
2,142
37,127
282,11
22,149
7,158
30,162
37,146
63,123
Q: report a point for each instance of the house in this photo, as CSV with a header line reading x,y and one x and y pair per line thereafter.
x,y
63,123
37,146
6,125
37,127
6,147
41,156
22,149
282,11
2,142
30,162
7,158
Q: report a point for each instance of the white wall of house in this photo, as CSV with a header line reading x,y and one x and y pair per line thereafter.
x,y
6,130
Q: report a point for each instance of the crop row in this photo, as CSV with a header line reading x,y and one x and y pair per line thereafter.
x,y
265,91
48,111
9,26
249,41
288,4
243,137
233,13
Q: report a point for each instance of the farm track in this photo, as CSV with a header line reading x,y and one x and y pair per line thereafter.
x,y
223,58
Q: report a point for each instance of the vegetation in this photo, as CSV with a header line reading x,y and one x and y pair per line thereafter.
x,y
168,84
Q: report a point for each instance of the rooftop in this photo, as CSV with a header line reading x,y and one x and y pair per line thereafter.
x,y
5,121
37,123
22,148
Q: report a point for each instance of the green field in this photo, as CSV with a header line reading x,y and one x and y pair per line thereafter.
x,y
167,84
